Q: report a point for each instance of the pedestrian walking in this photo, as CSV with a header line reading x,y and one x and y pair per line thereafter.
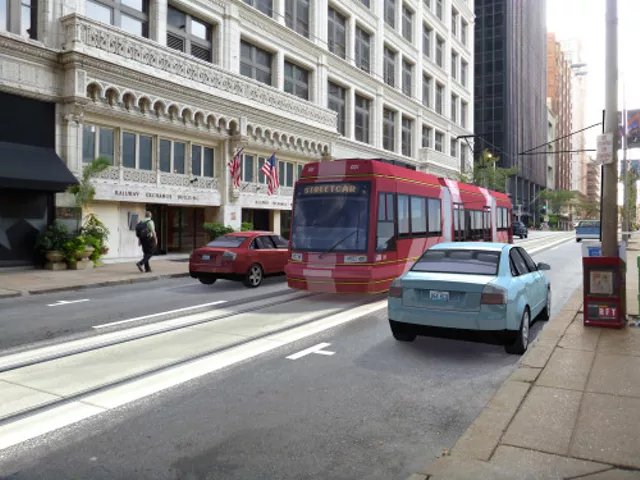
x,y
147,239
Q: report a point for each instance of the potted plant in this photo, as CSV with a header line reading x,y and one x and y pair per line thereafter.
x,y
96,235
51,243
74,250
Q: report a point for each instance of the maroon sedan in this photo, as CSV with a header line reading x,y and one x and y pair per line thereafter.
x,y
246,256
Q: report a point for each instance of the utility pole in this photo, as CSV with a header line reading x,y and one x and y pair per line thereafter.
x,y
609,227
625,167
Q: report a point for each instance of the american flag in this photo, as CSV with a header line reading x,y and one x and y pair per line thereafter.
x,y
234,168
270,170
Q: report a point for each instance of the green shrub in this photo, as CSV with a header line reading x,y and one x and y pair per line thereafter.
x,y
246,226
215,230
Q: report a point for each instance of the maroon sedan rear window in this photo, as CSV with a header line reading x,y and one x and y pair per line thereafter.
x,y
229,241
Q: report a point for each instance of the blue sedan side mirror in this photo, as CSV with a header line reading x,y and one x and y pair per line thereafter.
x,y
544,266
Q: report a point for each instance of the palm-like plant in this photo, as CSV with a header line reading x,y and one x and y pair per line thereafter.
x,y
85,192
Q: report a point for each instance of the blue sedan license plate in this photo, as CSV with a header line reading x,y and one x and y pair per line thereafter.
x,y
439,296
206,257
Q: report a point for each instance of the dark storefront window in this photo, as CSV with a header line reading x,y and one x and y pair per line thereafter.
x,y
185,229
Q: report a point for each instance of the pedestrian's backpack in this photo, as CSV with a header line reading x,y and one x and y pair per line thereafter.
x,y
142,229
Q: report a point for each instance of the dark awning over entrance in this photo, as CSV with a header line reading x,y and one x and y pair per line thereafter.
x,y
33,168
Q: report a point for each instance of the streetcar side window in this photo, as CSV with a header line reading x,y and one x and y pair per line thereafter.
x,y
386,222
418,216
435,217
403,215
503,219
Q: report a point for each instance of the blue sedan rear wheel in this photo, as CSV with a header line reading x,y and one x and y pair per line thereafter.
x,y
519,346
402,332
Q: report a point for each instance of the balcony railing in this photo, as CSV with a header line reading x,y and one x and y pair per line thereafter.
x,y
160,179
430,157
106,42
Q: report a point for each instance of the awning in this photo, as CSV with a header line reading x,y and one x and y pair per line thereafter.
x,y
33,168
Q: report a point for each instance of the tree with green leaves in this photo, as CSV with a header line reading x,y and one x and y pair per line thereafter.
x,y
85,192
558,199
486,173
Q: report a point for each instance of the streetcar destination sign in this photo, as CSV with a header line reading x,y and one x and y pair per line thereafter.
x,y
329,188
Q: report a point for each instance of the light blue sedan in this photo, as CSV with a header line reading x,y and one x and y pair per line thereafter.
x,y
472,286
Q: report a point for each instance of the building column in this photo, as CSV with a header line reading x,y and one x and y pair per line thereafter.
x,y
376,130
318,18
279,68
417,137
398,129
231,39
158,21
350,113
351,40
275,221
321,82
279,11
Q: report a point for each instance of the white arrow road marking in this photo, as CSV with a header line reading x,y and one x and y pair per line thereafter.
x,y
315,349
67,302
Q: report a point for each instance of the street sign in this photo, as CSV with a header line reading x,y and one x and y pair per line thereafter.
x,y
604,148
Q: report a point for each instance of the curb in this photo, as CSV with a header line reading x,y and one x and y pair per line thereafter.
x,y
107,283
10,295
483,436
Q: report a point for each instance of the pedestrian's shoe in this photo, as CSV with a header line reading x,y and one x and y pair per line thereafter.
x,y
139,267
148,271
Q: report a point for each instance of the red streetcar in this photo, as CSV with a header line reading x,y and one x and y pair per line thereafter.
x,y
359,224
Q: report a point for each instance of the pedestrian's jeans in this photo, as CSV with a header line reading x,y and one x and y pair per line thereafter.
x,y
147,251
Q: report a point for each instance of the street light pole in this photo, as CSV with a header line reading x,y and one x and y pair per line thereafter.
x,y
625,166
609,227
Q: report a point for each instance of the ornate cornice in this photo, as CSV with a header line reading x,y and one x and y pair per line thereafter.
x,y
86,36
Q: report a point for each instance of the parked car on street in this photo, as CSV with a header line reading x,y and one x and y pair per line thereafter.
x,y
245,256
588,230
472,286
520,230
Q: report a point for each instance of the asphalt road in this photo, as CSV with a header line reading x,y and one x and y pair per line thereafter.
x,y
377,408
40,318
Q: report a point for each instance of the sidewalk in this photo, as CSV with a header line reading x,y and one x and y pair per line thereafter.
x,y
25,282
571,409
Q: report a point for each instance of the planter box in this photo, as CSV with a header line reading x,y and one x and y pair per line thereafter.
x,y
80,265
55,266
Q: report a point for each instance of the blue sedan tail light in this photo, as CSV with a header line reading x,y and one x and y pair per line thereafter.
x,y
396,289
493,295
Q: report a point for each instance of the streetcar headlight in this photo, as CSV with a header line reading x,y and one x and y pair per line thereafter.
x,y
355,258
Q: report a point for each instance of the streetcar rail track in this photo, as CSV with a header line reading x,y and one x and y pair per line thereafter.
x,y
80,395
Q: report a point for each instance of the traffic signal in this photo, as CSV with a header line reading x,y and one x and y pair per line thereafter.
x,y
543,210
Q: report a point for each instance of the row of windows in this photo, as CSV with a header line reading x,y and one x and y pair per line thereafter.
x,y
139,151
288,172
503,219
471,224
408,217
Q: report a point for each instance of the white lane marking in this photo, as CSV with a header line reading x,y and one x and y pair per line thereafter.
x,y
159,314
308,351
67,302
32,426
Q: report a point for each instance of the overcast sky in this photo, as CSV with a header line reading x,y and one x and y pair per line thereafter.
x,y
585,19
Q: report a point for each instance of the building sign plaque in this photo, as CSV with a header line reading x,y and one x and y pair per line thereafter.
x,y
153,194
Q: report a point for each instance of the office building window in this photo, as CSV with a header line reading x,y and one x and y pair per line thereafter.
x,y
363,50
337,103
454,148
427,83
130,15
255,63
463,157
439,9
454,22
296,16
189,35
137,151
201,161
439,98
172,156
336,33
426,136
454,108
439,143
296,80
464,111
362,118
407,78
390,13
407,128
464,73
427,33
265,6
389,67
407,23
439,51
454,65
464,31
388,129
26,22
97,142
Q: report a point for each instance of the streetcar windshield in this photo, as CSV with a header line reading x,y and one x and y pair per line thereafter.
x,y
331,216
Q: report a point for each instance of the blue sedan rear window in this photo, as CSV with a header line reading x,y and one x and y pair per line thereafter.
x,y
466,262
